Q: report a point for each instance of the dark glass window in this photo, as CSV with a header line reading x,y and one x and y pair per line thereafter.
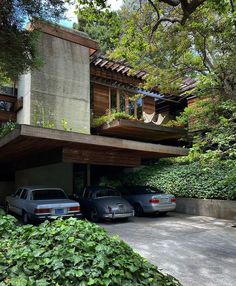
x,y
131,107
48,194
24,194
106,192
17,193
141,190
122,101
139,104
113,99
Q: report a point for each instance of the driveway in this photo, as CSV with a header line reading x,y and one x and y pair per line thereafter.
x,y
195,249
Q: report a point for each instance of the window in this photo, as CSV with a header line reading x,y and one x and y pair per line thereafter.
x,y
24,194
113,99
17,193
122,101
87,194
139,104
107,193
48,194
131,107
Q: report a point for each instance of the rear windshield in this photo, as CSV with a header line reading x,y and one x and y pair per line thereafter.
x,y
145,190
50,194
107,193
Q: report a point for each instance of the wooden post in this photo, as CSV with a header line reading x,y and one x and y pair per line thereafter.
x,y
126,102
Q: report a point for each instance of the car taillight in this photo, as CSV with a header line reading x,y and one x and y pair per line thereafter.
x,y
74,209
42,211
173,200
154,201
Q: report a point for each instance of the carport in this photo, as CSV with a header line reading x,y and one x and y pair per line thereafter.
x,y
29,151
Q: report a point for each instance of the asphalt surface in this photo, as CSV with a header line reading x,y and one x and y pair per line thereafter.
x,y
196,250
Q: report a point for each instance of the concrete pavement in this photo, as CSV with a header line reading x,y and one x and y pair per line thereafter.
x,y
196,250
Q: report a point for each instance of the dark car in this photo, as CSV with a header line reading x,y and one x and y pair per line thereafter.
x,y
104,203
147,199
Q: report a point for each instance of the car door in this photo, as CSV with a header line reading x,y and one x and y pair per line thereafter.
x,y
14,202
85,201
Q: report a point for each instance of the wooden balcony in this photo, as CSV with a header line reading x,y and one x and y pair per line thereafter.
x,y
9,105
138,130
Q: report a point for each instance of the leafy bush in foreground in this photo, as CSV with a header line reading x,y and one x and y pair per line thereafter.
x,y
71,252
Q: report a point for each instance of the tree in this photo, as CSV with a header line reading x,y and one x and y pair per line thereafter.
x,y
101,24
18,45
202,47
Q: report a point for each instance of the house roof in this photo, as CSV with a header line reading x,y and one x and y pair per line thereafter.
x,y
29,146
70,35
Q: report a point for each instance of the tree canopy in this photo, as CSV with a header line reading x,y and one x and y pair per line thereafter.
x,y
18,45
172,40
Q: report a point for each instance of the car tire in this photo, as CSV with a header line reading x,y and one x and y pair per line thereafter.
x,y
94,216
163,213
138,210
25,217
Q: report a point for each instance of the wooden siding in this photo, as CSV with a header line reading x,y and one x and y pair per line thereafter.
x,y
148,105
111,158
100,99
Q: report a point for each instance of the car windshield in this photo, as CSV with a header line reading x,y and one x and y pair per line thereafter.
x,y
141,190
107,193
48,194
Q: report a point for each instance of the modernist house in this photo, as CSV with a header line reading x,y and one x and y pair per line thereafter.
x,y
55,143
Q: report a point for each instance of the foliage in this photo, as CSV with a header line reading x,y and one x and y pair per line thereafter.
x,y
71,252
18,46
64,125
100,23
43,118
202,48
7,128
191,180
105,119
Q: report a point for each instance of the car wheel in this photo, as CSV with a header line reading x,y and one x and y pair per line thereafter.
x,y
94,215
163,213
138,210
25,218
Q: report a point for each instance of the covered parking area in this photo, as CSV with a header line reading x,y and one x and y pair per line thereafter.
x,y
39,156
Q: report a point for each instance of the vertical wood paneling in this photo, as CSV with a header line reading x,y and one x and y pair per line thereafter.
x,y
148,105
100,99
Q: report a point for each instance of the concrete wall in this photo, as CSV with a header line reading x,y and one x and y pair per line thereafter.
x,y
213,208
24,90
60,89
6,189
55,175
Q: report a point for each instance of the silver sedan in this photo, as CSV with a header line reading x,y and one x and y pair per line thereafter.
x,y
40,203
146,199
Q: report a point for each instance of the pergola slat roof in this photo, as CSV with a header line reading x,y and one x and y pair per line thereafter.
x,y
123,68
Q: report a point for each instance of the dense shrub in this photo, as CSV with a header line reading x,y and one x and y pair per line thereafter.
x,y
191,180
68,253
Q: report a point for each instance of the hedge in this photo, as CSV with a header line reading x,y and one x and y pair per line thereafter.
x,y
192,180
68,253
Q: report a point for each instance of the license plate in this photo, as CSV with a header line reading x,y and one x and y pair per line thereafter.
x,y
59,211
165,200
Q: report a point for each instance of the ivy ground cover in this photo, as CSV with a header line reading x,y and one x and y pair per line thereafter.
x,y
71,253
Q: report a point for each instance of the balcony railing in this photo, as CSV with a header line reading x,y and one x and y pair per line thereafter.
x,y
9,104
